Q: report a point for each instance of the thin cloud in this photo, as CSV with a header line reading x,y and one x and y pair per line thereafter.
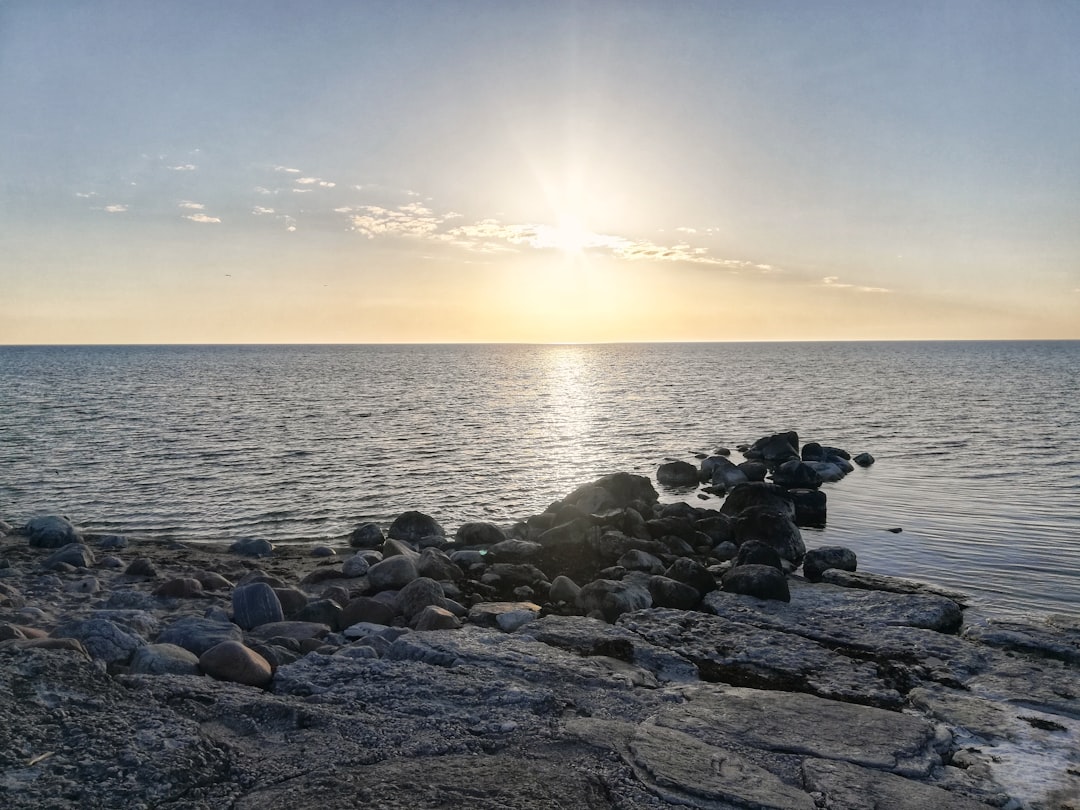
x,y
203,219
286,169
86,194
116,209
263,190
378,221
192,205
183,167
315,181
258,209
834,282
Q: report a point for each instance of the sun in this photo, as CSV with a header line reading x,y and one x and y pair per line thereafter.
x,y
570,236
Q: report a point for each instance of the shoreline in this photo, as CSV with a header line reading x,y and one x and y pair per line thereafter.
x,y
607,657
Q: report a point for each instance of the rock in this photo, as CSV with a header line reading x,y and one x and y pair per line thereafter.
x,y
864,459
366,535
367,610
762,581
507,616
686,771
677,474
436,618
295,630
754,552
611,598
773,528
197,634
84,585
820,559
320,611
810,507
417,595
254,604
514,551
232,661
112,541
795,474
479,534
49,531
624,490
101,638
726,474
827,471
856,788
755,471
399,548
638,560
141,567
812,451
880,582
392,573
180,588
757,493
78,555
563,589
293,600
775,449
412,527
670,593
164,659
252,547
323,551
437,565
356,566
692,573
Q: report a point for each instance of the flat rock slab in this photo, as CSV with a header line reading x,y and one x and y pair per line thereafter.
x,y
855,788
804,725
740,654
880,582
683,770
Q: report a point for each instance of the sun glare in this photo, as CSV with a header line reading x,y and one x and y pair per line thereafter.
x,y
570,236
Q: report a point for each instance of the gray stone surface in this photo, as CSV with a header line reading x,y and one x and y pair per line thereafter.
x,y
851,787
254,604
103,639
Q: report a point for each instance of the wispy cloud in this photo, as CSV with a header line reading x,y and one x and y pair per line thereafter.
x,y
116,209
286,169
86,194
192,205
258,209
315,181
834,282
203,219
183,167
417,222
263,190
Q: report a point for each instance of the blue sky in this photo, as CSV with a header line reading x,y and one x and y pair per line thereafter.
x,y
361,171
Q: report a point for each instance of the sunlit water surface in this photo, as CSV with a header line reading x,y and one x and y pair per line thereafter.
x,y
978,444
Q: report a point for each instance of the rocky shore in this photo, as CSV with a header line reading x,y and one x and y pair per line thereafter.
x,y
609,652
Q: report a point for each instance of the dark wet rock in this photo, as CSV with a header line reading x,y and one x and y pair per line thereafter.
x,y
355,566
637,560
724,551
880,582
417,595
563,589
392,573
367,535
819,560
864,459
775,449
412,527
233,661
78,555
726,474
757,493
827,471
754,552
671,593
49,531
1043,641
294,630
321,611
368,610
755,471
179,588
624,490
773,528
437,565
164,659
252,547
514,551
254,604
718,528
692,573
795,474
293,600
479,533
611,599
394,547
141,567
435,618
812,451
677,474
761,581
323,551
101,638
811,507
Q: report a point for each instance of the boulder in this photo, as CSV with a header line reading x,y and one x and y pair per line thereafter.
x,y
726,474
254,604
795,474
754,552
479,533
818,560
638,560
197,634
757,493
417,595
864,459
101,638
78,555
762,581
671,593
773,528
366,535
319,611
563,589
436,618
141,567
755,471
392,573
355,566
232,661
812,451
437,565
828,471
810,507
413,526
252,547
514,551
507,616
611,599
364,609
179,588
164,659
677,474
775,449
49,531
624,490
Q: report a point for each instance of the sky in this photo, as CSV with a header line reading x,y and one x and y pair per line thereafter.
x,y
367,172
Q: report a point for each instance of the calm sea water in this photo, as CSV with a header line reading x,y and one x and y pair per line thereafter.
x,y
978,444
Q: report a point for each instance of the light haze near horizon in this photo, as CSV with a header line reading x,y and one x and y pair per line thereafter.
x,y
543,172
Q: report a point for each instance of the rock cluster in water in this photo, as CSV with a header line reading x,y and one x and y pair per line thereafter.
x,y
610,651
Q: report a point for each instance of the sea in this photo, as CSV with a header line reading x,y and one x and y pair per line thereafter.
x,y
977,444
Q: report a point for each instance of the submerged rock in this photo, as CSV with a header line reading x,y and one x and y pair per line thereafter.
x,y
677,474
